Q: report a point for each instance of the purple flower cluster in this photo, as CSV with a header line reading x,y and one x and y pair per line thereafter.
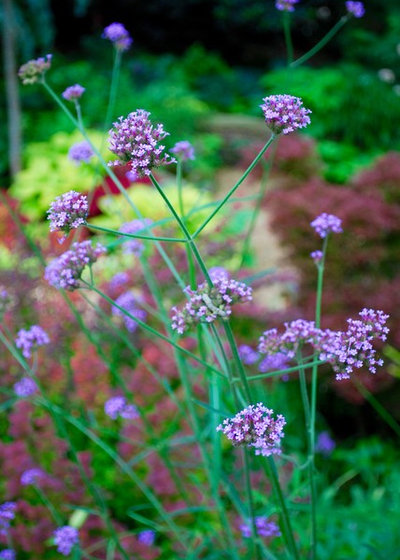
x,y
356,9
7,554
66,270
7,514
316,256
345,351
118,35
264,528
183,150
119,279
81,151
206,304
34,70
130,303
5,301
31,476
136,141
285,5
25,387
272,362
72,93
68,211
65,538
255,427
118,407
285,113
147,537
327,223
248,355
134,246
324,444
30,339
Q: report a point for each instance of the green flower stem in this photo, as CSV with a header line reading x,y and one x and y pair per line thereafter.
x,y
113,89
288,36
54,513
136,235
343,20
236,186
387,417
279,372
254,547
179,186
238,361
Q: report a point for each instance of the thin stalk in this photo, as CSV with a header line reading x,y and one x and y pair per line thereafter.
x,y
343,20
179,186
135,235
288,36
279,372
113,89
235,186
54,513
381,410
255,549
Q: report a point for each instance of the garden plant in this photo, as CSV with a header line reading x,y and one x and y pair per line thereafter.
x,y
148,408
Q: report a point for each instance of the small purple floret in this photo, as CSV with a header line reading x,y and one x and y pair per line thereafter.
x,y
118,407
136,141
130,303
324,444
327,223
356,9
30,339
7,554
7,514
31,476
183,150
316,256
147,537
72,93
135,246
118,35
68,211
65,538
255,427
81,151
264,528
285,5
25,387
248,355
285,113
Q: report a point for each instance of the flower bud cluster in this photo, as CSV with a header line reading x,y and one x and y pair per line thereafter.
x,y
33,71
29,339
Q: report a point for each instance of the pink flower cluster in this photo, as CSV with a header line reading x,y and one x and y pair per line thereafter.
x,y
285,113
68,211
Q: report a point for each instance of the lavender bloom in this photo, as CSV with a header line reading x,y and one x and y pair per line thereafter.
x,y
7,514
34,70
183,150
7,554
327,223
355,8
325,444
255,427
248,355
25,387
66,270
5,301
273,362
65,538
218,272
264,528
316,256
128,302
285,5
119,280
31,476
352,349
118,35
136,141
147,537
81,151
118,407
206,304
285,113
72,93
296,334
134,246
68,211
31,338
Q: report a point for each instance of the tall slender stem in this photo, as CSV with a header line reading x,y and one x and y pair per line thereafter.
x,y
288,36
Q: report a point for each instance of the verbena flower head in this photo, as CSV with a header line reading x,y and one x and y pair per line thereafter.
x,y
25,387
147,537
66,270
353,349
118,35
324,444
119,279
118,407
273,362
316,256
248,355
7,554
34,70
130,303
7,514
135,246
68,211
206,304
136,141
255,427
327,223
296,334
285,5
81,151
72,93
183,150
218,272
5,301
356,9
65,538
30,339
264,528
31,476
285,113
